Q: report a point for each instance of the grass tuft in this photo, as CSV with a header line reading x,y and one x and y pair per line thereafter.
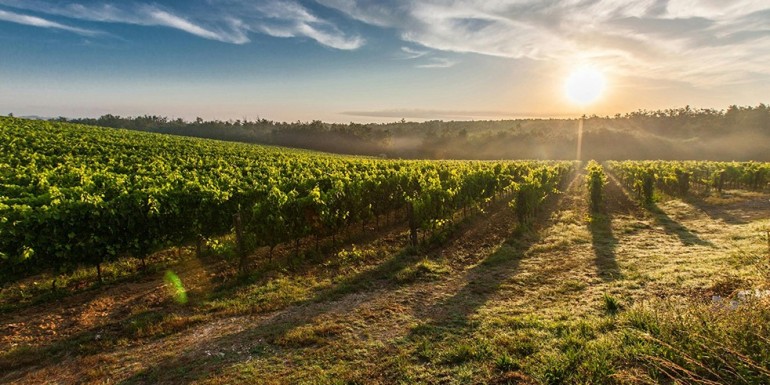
x,y
506,363
612,305
308,335
424,270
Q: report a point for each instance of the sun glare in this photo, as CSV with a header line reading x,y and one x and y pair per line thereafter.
x,y
584,85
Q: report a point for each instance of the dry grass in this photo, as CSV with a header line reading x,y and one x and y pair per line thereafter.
x,y
563,302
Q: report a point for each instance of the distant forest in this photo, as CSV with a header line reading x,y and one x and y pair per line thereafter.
x,y
737,133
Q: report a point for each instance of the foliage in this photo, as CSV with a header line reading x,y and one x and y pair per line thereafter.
x,y
596,179
677,133
678,178
699,343
73,194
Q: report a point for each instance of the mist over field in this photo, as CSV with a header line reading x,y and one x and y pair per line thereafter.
x,y
736,133
385,192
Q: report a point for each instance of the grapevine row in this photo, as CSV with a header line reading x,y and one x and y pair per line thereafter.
x,y
73,194
679,178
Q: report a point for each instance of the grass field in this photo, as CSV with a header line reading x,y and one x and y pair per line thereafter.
x,y
621,296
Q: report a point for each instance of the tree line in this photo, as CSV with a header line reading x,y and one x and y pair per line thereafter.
x,y
735,133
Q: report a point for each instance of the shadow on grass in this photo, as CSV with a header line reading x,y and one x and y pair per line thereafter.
x,y
194,363
82,283
453,316
603,243
162,318
148,325
171,319
271,333
670,226
714,211
292,327
297,327
483,281
603,240
155,324
309,259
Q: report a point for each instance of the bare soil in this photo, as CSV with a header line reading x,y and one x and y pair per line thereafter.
x,y
368,323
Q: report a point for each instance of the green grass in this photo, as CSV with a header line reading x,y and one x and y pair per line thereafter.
x,y
534,308
17,294
612,305
421,271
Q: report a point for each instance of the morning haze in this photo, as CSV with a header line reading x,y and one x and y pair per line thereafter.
x,y
385,192
342,61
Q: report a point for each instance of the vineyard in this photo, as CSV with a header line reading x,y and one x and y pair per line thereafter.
x,y
72,195
255,264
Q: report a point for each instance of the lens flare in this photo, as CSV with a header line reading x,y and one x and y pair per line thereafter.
x,y
176,288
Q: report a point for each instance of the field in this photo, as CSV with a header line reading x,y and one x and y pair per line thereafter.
x,y
245,264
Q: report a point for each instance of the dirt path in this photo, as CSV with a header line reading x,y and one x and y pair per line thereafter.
x,y
211,340
485,273
101,307
52,322
366,319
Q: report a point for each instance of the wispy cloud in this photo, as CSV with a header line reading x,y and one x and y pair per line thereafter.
x,y
411,53
229,21
136,14
417,113
290,19
330,37
159,17
437,62
43,23
425,58
698,41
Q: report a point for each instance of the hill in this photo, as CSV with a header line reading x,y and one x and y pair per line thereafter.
x,y
737,133
138,258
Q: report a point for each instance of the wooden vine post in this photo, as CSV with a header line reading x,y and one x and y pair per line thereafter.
x,y
240,242
412,224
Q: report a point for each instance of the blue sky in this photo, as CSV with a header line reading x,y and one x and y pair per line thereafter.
x,y
366,60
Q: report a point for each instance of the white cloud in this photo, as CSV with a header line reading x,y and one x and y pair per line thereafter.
x,y
146,15
163,18
290,19
411,53
714,9
424,58
438,62
43,23
379,13
229,21
330,38
449,114
702,42
699,41
284,10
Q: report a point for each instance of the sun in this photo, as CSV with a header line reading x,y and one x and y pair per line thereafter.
x,y
584,85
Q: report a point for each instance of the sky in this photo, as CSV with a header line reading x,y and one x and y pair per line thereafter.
x,y
377,60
